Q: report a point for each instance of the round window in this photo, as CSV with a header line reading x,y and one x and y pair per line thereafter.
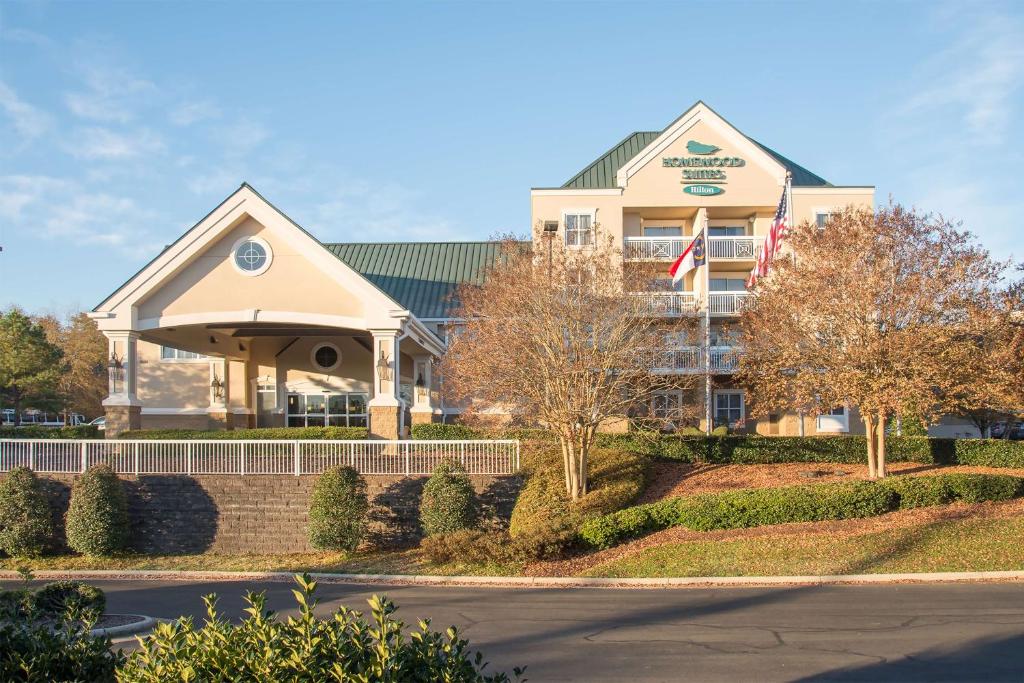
x,y
326,356
251,256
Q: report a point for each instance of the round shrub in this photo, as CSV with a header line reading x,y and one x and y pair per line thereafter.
x,y
73,599
26,521
97,519
337,511
449,502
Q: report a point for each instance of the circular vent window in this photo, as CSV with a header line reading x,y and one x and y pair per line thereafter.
x,y
326,356
251,256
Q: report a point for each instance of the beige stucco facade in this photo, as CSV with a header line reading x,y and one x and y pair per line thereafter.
x,y
247,320
645,211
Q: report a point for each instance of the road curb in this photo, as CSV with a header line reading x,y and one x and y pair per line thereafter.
x,y
526,581
126,629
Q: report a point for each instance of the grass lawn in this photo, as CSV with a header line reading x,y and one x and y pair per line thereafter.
x,y
941,546
395,562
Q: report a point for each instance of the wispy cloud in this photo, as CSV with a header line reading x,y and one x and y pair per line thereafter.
x,y
109,93
242,136
30,122
187,113
96,143
977,75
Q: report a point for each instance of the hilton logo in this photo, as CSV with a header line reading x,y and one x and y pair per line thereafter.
x,y
703,190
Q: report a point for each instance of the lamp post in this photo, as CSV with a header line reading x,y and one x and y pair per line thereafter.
x,y
115,373
217,386
383,370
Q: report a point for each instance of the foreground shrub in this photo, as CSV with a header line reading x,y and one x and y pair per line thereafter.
x,y
35,651
26,521
344,647
758,507
337,510
270,433
435,431
38,432
72,600
449,501
97,518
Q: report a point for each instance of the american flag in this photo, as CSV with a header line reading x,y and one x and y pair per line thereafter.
x,y
772,242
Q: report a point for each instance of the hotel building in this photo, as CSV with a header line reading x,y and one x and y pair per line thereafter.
x,y
248,320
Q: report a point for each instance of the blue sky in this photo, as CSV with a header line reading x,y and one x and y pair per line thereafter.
x,y
123,124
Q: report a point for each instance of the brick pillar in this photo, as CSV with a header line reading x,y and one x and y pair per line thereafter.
x,y
384,421
121,419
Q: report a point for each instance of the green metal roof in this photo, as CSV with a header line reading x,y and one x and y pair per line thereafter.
x,y
601,172
422,276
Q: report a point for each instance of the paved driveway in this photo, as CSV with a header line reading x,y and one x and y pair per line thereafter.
x,y
951,632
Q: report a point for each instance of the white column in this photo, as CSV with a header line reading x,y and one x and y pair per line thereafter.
x,y
123,346
386,389
423,401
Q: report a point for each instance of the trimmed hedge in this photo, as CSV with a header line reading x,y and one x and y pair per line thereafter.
x,y
337,510
834,449
37,432
814,503
26,521
435,431
97,518
269,433
449,501
70,599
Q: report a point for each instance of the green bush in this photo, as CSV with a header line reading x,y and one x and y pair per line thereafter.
x,y
26,521
850,450
268,433
35,651
38,432
435,431
97,519
337,510
73,600
344,646
449,501
496,546
758,507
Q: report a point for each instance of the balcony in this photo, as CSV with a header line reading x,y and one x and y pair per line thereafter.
x,y
670,248
690,359
727,303
668,304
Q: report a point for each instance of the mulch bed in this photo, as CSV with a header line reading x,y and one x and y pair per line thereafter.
x,y
837,528
674,479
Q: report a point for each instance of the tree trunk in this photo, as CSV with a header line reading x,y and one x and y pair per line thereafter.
x,y
574,473
869,428
881,445
566,465
585,439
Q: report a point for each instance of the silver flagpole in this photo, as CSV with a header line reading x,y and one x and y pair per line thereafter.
x,y
707,327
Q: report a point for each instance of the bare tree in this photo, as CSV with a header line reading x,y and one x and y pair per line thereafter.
x,y
881,310
564,343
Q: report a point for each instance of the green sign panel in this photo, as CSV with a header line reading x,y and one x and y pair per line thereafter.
x,y
703,190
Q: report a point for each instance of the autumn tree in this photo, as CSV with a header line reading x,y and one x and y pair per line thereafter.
x,y
83,383
563,343
883,310
30,365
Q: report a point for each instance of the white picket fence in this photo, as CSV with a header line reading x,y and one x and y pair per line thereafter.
x,y
244,457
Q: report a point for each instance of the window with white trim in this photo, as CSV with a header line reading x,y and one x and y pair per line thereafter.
x,y
171,354
821,219
579,229
666,405
663,231
727,284
251,256
729,408
325,356
727,231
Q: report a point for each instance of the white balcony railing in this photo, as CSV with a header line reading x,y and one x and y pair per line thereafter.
x,y
690,359
726,303
670,248
668,303
654,248
734,248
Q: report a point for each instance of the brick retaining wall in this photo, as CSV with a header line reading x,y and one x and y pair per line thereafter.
x,y
176,514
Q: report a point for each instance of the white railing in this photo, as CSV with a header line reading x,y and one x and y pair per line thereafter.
x,y
726,303
690,359
238,457
668,303
654,248
734,248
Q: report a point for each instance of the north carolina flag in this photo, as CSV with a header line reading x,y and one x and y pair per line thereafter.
x,y
692,258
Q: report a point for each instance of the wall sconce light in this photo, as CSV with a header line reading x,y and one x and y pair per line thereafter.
x,y
213,340
383,367
217,387
421,386
115,373
241,346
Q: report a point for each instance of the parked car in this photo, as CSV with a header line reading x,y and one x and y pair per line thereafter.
x,y
1008,430
39,418
100,423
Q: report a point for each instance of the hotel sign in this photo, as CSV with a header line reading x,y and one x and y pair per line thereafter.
x,y
705,168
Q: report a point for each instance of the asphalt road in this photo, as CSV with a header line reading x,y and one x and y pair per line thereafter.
x,y
945,632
